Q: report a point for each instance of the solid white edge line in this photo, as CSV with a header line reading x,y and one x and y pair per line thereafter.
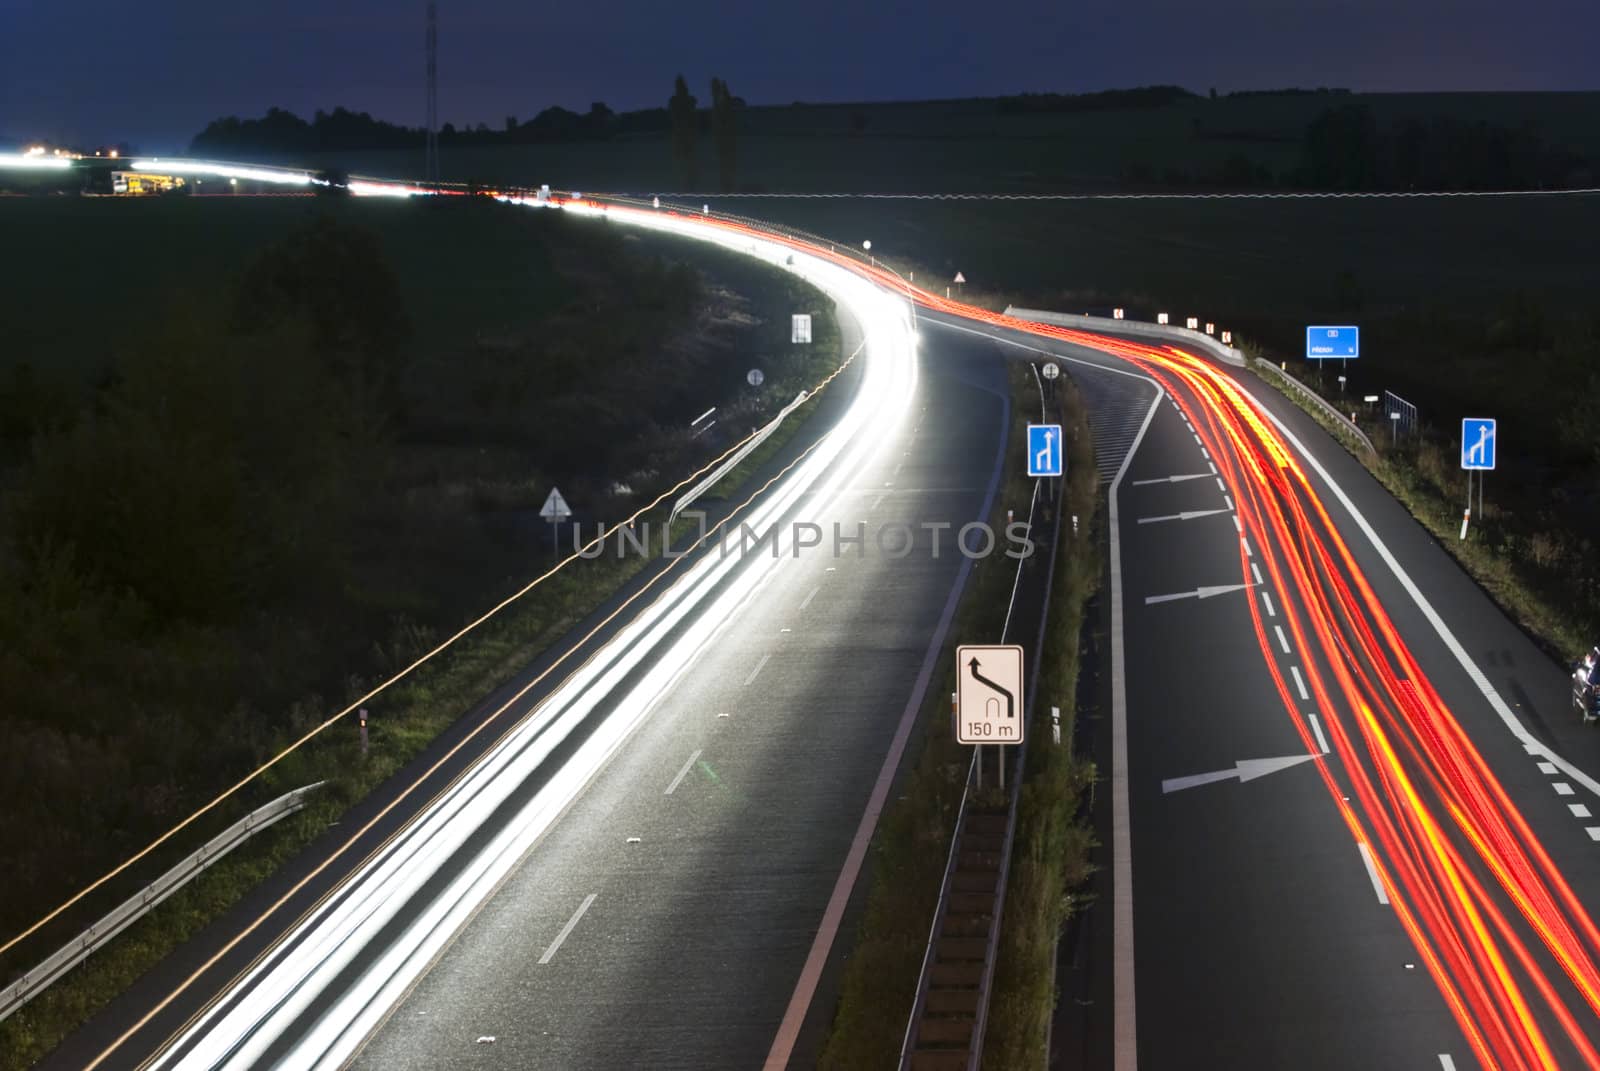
x,y
566,931
1530,743
1372,872
759,667
1125,1032
687,766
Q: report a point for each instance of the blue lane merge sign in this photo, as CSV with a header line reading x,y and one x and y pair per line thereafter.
x,y
1332,343
1044,449
1477,443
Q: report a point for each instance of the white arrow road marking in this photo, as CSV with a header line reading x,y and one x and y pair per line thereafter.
x,y
1243,769
1197,593
1187,515
1171,479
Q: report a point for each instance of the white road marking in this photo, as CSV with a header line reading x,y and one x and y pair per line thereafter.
x,y
1372,872
1187,515
1593,831
1213,467
1283,641
1266,597
1547,767
1445,1063
1221,486
1197,593
1299,684
875,502
1248,553
566,930
1255,571
1316,731
1237,523
1229,500
1579,810
1197,439
753,672
676,781
1562,788
808,598
1169,479
1513,725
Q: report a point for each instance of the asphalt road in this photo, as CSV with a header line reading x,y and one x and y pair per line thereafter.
x,y
1259,935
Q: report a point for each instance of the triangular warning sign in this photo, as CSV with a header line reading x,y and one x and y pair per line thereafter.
x,y
960,278
555,507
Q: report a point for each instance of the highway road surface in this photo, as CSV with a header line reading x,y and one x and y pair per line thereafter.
x,y
1350,821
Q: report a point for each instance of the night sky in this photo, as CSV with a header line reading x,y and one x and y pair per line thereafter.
x,y
155,73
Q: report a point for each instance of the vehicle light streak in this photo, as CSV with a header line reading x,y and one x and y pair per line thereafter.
x,y
299,998
1477,894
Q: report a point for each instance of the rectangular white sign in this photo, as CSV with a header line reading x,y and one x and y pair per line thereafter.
x,y
989,701
800,327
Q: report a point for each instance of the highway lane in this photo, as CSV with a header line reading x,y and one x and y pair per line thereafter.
x,y
691,946
1261,938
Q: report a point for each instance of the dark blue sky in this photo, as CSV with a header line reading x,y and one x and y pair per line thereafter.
x,y
155,73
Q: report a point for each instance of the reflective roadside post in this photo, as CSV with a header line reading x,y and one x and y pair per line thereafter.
x,y
363,732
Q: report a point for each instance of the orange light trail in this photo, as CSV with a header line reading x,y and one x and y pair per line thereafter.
x,y
1451,849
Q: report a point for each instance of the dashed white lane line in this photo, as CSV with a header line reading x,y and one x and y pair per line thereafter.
x,y
1372,871
1547,767
876,502
1213,467
1316,731
1446,1063
1562,788
1266,600
1237,523
808,598
1255,571
1197,439
1579,810
1229,500
676,781
1248,553
1283,641
1299,684
566,931
753,672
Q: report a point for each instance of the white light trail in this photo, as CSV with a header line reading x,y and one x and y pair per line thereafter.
x,y
263,1009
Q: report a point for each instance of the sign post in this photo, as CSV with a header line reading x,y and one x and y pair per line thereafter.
x,y
1477,455
554,511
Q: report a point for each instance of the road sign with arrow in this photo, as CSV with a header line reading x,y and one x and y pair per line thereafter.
x,y
989,701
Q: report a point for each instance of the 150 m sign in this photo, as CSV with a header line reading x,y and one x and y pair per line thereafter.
x,y
989,701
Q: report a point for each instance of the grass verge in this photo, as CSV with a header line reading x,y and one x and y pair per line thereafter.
x,y
405,722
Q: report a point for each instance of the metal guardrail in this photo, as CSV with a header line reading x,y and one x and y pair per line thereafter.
x,y
744,451
1326,407
41,977
1104,325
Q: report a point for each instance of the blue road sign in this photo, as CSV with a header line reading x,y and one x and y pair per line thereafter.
x,y
1477,442
1044,449
1332,343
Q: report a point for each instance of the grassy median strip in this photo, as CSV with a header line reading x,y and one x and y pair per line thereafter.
x,y
1050,857
913,840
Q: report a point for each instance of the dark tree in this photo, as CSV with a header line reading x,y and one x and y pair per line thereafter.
x,y
724,131
682,110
